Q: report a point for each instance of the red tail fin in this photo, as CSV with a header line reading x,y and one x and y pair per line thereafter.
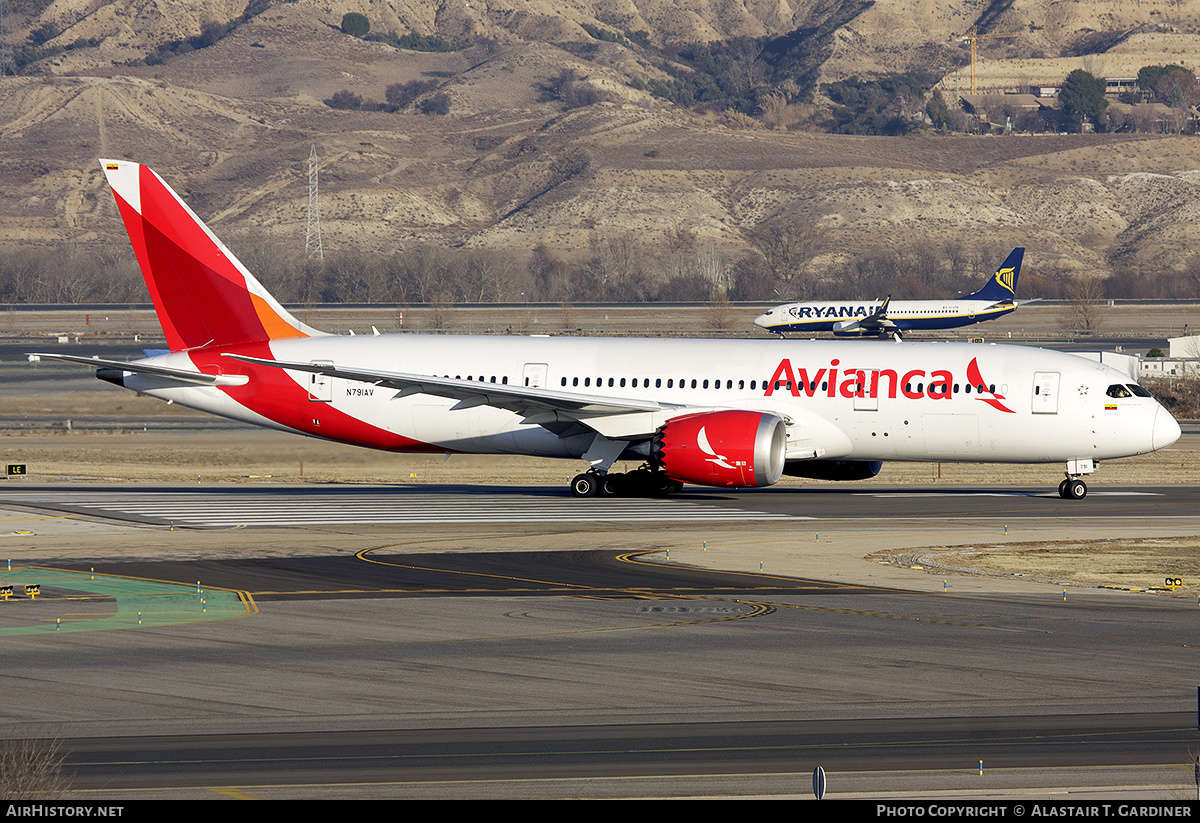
x,y
204,296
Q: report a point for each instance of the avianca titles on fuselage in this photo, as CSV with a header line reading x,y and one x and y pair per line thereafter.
x,y
884,317
715,412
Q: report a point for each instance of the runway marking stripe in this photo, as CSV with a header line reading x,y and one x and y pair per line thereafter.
x,y
1013,494
268,510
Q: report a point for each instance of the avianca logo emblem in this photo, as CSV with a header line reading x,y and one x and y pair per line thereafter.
x,y
974,375
717,459
1005,278
914,384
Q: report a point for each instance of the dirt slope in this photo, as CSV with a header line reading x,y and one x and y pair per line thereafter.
x,y
231,126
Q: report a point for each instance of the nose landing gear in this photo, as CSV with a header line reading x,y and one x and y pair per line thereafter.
x,y
1073,488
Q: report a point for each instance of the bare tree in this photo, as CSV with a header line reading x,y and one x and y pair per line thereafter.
x,y
1143,118
550,277
752,280
720,314
615,267
32,770
787,245
1084,308
710,264
440,312
567,313
490,277
774,110
956,255
746,53
680,239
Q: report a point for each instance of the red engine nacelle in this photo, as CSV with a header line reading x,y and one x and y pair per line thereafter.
x,y
723,448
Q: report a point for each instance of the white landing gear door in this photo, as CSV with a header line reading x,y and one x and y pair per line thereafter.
x,y
1045,392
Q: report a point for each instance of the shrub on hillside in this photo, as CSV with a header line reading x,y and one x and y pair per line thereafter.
x,y
412,41
355,24
567,88
400,95
43,34
437,104
344,99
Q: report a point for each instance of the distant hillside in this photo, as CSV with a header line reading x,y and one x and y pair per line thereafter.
x,y
854,36
554,134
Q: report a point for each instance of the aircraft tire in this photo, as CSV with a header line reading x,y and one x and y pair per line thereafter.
x,y
1062,489
611,485
584,485
637,483
666,487
1076,490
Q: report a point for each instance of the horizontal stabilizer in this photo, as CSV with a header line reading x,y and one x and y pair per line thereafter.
x,y
182,375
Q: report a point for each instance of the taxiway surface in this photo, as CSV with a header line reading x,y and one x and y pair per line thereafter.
x,y
727,651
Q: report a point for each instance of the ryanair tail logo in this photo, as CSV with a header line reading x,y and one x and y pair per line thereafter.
x,y
1005,278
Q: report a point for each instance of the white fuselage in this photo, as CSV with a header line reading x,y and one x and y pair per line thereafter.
x,y
887,401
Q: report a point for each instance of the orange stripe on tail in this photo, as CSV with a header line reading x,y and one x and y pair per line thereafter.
x,y
202,293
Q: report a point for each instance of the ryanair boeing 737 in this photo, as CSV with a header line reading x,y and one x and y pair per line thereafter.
x,y
873,318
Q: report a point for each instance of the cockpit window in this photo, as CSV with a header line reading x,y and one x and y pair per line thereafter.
x,y
1117,390
1139,391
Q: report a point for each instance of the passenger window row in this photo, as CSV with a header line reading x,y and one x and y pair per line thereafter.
x,y
644,383
753,385
695,383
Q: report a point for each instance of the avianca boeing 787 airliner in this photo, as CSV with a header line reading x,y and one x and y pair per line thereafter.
x,y
721,413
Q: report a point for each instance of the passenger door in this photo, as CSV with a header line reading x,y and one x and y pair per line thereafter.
x,y
1045,392
535,375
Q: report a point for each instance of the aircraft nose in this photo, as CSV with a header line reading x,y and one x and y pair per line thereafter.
x,y
762,320
1166,429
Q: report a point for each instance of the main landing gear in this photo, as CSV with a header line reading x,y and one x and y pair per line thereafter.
x,y
642,482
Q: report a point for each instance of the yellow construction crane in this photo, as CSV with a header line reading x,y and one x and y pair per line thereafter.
x,y
972,37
